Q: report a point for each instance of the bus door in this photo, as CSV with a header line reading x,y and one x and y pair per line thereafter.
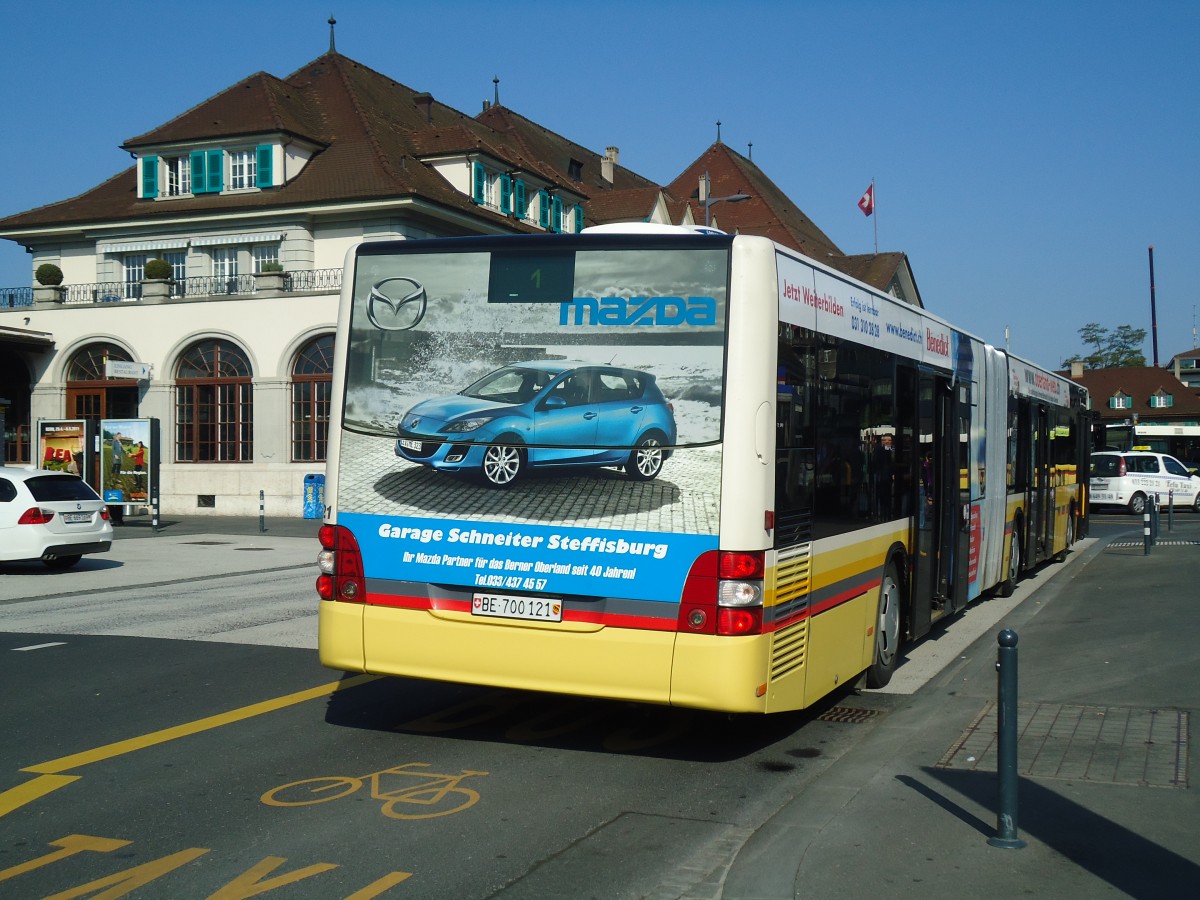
x,y
937,508
1041,499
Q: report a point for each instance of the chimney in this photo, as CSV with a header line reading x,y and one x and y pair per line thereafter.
x,y
1076,370
608,165
424,103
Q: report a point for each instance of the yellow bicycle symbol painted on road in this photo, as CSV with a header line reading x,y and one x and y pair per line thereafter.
x,y
435,795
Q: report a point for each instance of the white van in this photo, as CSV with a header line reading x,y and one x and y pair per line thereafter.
x,y
1126,478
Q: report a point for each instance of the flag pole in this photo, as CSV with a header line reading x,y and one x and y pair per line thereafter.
x,y
874,204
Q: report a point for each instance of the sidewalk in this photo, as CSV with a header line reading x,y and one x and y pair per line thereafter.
x,y
1109,678
141,526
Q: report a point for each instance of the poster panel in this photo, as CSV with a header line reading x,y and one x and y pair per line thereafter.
x,y
126,460
62,445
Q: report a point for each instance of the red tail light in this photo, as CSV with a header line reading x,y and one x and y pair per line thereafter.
x,y
1121,471
104,513
35,516
723,594
340,561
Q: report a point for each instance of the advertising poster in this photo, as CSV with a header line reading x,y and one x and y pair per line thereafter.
x,y
125,460
545,421
61,446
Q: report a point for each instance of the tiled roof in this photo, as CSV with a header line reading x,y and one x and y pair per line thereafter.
x,y
1140,383
875,269
768,212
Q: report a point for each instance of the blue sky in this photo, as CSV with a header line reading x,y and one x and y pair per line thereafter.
x,y
1025,154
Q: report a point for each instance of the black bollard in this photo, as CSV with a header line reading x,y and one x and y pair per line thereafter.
x,y
262,522
1006,735
1147,542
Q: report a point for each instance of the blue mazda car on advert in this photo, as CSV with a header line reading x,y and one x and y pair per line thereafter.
x,y
539,415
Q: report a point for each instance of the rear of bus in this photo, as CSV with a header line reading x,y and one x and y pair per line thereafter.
x,y
525,476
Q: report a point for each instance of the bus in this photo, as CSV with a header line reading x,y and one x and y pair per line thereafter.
x,y
1181,441
669,466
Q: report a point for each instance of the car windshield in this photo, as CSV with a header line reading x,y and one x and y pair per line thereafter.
x,y
509,385
60,487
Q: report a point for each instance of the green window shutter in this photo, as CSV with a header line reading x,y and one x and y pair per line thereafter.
x,y
149,177
215,170
199,183
556,211
265,156
522,204
477,182
506,194
578,217
544,209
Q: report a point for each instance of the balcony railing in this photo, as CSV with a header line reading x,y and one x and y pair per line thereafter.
x,y
329,280
13,297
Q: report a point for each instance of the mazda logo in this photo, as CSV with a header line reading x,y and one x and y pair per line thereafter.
x,y
396,304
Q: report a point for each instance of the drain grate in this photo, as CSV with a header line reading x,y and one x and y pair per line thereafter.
x,y
1112,745
847,714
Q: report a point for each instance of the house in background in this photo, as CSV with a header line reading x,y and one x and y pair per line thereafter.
x,y
252,198
1145,407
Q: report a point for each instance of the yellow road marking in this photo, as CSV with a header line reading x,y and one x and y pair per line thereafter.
x,y
51,778
17,797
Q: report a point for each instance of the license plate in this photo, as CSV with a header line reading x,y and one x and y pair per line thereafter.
x,y
76,518
505,606
410,445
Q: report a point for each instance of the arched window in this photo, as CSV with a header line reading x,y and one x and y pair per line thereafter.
x,y
213,404
312,385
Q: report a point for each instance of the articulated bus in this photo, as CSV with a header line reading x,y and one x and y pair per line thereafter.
x,y
671,466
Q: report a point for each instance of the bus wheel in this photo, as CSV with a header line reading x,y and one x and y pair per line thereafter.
x,y
646,459
887,629
1137,504
1009,584
1061,556
503,464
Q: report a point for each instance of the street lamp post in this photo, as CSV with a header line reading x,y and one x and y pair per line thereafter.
x,y
706,201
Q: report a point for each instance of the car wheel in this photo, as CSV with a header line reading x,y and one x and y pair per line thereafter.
x,y
503,464
887,629
1137,504
63,562
1009,584
1196,503
646,459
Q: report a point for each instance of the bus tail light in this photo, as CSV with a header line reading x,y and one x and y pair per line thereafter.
x,y
340,563
723,594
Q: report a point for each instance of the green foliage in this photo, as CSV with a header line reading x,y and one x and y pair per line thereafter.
x,y
272,267
48,273
1118,348
158,269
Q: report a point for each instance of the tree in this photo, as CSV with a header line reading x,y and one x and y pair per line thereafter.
x,y
1121,347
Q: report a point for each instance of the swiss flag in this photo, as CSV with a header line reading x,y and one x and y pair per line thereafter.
x,y
867,201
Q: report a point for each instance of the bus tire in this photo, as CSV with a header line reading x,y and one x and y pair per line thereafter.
x,y
1061,556
1009,584
646,458
1137,504
887,629
503,463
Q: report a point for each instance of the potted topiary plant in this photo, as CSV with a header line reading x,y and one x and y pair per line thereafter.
x,y
157,281
269,278
48,274
49,287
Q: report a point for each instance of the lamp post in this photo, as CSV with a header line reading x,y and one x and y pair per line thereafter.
x,y
706,201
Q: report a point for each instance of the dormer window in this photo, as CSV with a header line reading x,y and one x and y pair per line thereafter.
x,y
1120,400
1160,399
179,175
575,170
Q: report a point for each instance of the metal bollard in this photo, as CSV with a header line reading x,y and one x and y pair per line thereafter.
x,y
1154,518
1147,543
262,522
1006,736
1171,510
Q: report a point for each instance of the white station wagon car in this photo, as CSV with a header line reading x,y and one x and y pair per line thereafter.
x,y
1127,478
51,516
